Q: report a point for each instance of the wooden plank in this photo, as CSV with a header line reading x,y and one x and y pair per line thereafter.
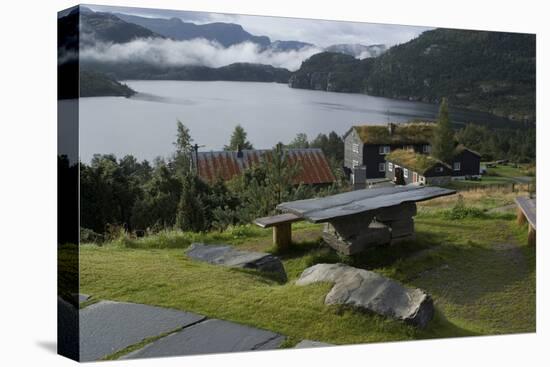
x,y
360,201
528,207
275,220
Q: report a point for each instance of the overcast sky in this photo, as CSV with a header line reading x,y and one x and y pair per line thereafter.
x,y
319,32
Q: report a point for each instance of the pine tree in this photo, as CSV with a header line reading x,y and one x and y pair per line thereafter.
x,y
191,212
238,139
299,142
443,141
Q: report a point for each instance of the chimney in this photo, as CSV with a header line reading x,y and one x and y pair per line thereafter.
x,y
391,128
239,151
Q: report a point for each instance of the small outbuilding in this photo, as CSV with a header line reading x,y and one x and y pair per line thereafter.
x,y
409,167
466,163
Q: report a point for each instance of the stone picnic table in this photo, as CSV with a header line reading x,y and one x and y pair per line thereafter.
x,y
357,219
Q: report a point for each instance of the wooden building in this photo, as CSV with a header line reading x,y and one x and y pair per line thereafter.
x,y
408,167
313,166
466,163
366,147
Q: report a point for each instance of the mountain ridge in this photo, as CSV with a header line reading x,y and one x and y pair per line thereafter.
x,y
478,70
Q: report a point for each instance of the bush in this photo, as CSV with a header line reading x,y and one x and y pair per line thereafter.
x,y
461,211
89,236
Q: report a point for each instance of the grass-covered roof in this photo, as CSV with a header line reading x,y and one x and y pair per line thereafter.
x,y
460,148
414,161
405,133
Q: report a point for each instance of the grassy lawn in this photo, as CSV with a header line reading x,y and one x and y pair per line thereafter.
x,y
480,272
502,174
508,170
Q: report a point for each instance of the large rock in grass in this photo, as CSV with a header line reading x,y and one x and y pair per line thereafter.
x,y
370,291
228,256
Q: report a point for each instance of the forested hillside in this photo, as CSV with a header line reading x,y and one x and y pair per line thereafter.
x,y
485,71
94,84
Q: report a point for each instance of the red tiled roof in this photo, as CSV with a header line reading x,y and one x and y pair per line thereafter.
x,y
314,167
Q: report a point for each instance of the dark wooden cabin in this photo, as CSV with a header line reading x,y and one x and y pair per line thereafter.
x,y
366,146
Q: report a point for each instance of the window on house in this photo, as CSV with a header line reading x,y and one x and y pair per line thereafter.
x,y
456,166
426,149
409,148
390,166
355,163
405,173
439,169
384,149
382,167
355,148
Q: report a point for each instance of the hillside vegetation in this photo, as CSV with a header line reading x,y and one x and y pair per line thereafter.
x,y
94,84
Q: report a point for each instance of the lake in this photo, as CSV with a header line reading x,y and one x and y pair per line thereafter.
x,y
145,124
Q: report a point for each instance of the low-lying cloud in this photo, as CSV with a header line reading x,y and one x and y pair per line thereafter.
x,y
167,52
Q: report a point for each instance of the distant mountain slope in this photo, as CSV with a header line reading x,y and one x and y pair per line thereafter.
x,y
289,45
485,71
94,84
106,27
226,34
332,72
358,50
232,72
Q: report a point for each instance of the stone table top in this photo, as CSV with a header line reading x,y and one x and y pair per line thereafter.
x,y
325,209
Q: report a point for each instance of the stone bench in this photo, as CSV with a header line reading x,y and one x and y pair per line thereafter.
x,y
527,213
282,230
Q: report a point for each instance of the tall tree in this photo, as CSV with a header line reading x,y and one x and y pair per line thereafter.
x,y
238,139
443,144
192,208
184,149
299,142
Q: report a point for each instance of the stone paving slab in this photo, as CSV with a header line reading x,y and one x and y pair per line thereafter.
x,y
229,256
107,327
210,336
311,344
83,297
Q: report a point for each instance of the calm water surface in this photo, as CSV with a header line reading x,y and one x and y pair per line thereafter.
x,y
145,125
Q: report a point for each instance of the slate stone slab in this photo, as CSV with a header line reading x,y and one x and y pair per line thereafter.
x,y
366,289
83,297
311,344
328,208
67,328
370,235
529,208
396,212
228,256
107,327
210,336
402,228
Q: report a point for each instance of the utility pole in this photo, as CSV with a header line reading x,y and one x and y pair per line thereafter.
x,y
196,150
